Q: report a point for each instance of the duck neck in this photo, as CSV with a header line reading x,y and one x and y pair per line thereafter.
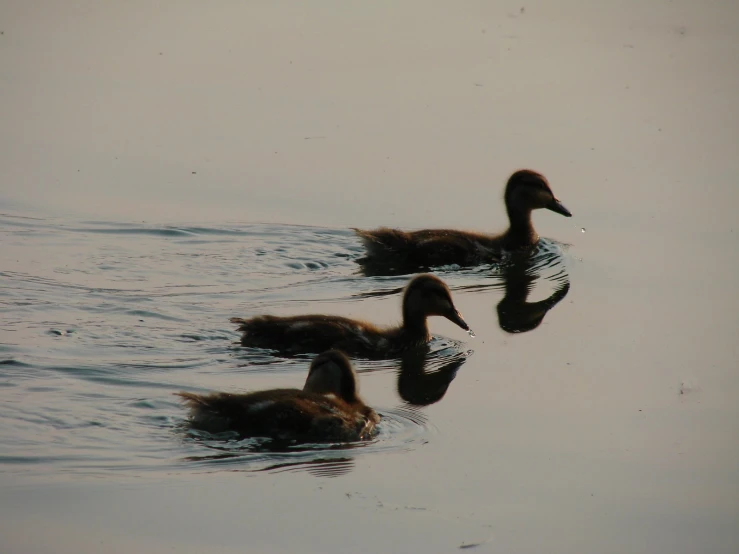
x,y
414,323
521,232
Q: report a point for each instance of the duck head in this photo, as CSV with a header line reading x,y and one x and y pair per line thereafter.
x,y
332,373
528,190
427,295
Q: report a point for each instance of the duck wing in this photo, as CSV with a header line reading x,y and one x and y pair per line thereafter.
x,y
429,247
307,333
281,413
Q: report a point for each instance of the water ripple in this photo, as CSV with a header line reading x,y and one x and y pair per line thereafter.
x,y
399,429
103,321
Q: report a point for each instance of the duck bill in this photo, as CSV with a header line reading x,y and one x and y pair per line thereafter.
x,y
557,206
456,317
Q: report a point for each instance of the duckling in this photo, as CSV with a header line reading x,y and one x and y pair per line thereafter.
x,y
425,295
526,190
327,409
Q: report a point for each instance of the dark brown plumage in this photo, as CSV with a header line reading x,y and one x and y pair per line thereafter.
x,y
327,409
526,191
425,295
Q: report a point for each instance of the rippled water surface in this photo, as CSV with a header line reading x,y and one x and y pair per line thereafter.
x,y
114,318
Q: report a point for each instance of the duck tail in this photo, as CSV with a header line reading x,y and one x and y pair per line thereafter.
x,y
240,321
367,237
193,400
380,240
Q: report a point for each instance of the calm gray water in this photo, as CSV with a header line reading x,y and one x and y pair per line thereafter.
x,y
156,161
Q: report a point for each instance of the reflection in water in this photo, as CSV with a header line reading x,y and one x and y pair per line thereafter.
x,y
515,314
419,384
518,274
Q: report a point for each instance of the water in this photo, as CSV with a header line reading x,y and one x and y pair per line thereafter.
x,y
137,312
167,168
104,321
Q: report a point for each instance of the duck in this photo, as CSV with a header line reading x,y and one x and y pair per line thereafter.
x,y
425,295
526,190
327,409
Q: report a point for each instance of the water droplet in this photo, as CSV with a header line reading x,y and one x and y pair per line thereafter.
x,y
471,333
583,229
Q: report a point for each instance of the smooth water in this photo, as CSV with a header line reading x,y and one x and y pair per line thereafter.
x,y
165,168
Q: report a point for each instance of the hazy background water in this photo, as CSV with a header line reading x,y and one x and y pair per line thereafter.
x,y
166,167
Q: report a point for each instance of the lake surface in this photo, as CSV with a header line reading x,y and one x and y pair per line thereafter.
x,y
164,169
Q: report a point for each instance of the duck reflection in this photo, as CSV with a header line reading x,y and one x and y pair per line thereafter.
x,y
515,313
420,387
518,277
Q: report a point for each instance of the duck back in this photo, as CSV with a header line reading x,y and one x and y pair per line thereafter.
x,y
282,414
314,333
428,247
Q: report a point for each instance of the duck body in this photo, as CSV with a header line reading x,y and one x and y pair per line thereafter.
x,y
430,247
327,409
313,333
425,295
526,191
282,414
